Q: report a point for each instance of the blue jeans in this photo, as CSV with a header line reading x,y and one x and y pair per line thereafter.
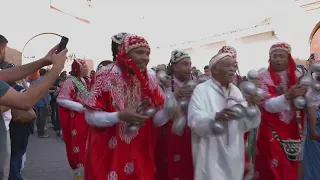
x,y
19,134
15,168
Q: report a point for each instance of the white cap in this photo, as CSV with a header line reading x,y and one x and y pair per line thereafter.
x,y
218,58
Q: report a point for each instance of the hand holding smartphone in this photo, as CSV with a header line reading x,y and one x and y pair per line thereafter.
x,y
63,44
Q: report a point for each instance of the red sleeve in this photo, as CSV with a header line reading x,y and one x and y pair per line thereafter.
x,y
157,93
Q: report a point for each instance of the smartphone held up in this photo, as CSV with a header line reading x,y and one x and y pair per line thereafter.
x,y
63,44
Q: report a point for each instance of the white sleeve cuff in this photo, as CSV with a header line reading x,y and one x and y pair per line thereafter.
x,y
72,105
201,122
101,119
277,104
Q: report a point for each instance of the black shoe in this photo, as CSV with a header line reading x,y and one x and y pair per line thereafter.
x,y
58,133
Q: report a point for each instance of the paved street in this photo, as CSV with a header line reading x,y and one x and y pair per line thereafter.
x,y
46,159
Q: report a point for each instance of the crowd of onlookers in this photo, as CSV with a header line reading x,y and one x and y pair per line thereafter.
x,y
24,100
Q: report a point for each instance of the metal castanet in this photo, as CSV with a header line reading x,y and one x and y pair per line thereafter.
x,y
316,88
191,84
300,102
170,104
248,88
315,67
260,93
218,127
306,81
252,111
143,110
184,104
149,112
239,111
253,75
179,124
162,76
132,128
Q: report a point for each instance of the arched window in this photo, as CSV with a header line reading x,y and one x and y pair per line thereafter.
x,y
315,39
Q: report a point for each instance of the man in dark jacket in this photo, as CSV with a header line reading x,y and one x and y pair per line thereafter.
x,y
19,135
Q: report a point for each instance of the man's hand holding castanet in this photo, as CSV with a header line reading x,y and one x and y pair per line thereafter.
x,y
253,100
183,93
295,91
256,82
225,114
130,115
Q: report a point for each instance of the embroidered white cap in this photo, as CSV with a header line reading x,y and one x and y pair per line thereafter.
x,y
215,59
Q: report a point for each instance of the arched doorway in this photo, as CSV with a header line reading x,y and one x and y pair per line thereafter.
x,y
315,39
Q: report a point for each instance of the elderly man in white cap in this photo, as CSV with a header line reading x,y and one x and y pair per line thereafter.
x,y
219,156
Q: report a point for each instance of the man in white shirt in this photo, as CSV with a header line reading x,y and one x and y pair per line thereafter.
x,y
219,156
6,113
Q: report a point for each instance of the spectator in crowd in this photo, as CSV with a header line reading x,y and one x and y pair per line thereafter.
x,y
3,52
53,103
63,75
194,71
92,74
24,101
43,110
4,127
57,126
19,135
32,77
206,70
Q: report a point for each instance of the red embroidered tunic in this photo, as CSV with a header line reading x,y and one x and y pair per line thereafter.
x,y
73,124
271,161
174,152
112,153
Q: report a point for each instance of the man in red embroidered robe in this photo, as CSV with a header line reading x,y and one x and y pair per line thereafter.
x,y
280,132
73,124
174,156
114,153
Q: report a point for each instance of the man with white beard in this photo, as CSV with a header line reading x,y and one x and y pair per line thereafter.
x,y
219,156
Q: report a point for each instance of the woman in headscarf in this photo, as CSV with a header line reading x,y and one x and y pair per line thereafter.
x,y
173,155
280,133
114,152
73,124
